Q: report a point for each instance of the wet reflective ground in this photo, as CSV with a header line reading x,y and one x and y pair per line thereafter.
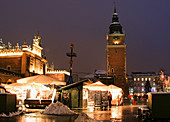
x,y
38,117
125,113
114,114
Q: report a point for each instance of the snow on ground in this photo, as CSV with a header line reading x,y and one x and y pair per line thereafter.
x,y
11,114
85,118
58,108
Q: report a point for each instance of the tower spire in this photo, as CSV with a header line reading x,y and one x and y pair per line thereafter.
x,y
115,26
114,7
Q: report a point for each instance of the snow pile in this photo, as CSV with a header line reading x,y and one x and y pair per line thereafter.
x,y
11,114
58,108
85,118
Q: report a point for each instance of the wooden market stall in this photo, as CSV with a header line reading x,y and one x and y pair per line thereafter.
x,y
100,95
33,91
117,95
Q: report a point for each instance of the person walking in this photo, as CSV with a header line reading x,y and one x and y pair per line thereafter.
x,y
110,99
135,99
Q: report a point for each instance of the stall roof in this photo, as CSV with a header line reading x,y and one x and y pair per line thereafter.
x,y
26,86
96,86
113,88
74,84
43,79
100,86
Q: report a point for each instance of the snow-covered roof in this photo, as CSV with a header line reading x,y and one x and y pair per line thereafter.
x,y
129,76
143,73
98,72
116,32
89,76
115,14
115,23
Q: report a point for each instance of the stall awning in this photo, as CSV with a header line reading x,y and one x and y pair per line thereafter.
x,y
26,86
100,86
97,86
43,79
113,88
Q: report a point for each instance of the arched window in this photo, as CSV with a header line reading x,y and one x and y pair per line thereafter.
x,y
8,67
112,70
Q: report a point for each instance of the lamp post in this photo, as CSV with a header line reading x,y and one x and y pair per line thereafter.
x,y
71,55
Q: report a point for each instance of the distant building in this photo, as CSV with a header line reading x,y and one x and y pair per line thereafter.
x,y
86,76
116,53
50,67
60,75
130,85
21,61
100,75
139,80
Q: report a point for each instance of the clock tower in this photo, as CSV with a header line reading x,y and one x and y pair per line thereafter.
x,y
116,52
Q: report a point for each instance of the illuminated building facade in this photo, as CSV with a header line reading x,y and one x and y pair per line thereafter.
x,y
116,53
22,60
139,81
60,75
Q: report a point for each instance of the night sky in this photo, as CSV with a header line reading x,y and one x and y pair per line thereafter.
x,y
85,23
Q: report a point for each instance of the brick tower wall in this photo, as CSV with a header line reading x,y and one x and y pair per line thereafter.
x,y
116,63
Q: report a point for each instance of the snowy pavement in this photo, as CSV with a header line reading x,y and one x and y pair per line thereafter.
x,y
115,114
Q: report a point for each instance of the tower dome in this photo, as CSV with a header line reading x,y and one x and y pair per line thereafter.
x,y
115,26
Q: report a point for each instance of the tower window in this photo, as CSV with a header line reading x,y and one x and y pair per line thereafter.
x,y
9,67
112,70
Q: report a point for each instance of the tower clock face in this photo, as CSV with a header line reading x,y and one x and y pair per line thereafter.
x,y
115,37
